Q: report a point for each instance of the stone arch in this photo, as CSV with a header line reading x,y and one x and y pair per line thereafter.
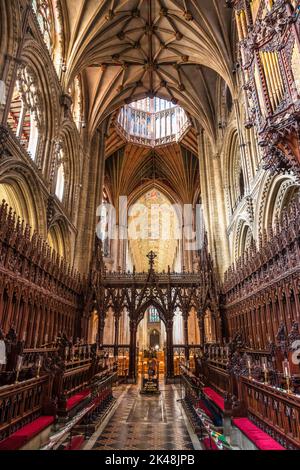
x,y
277,191
19,187
58,238
69,143
246,238
140,313
48,88
233,171
243,235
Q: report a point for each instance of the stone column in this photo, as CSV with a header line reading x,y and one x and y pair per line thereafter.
x,y
212,194
92,181
187,252
114,254
122,245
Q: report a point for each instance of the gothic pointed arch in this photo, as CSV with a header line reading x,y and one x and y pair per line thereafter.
x,y
151,302
19,188
59,238
277,193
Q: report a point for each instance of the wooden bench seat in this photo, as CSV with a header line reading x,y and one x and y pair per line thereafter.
x,y
259,438
214,397
202,406
24,435
76,399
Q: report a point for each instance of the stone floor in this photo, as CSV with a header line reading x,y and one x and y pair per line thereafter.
x,y
145,422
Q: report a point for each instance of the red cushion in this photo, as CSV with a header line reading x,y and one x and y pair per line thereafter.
x,y
260,439
214,397
26,433
75,443
75,399
210,444
200,404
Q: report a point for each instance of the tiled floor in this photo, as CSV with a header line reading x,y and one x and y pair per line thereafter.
x,y
146,423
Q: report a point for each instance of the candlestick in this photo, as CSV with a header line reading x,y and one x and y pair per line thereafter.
x,y
39,366
287,374
66,352
265,373
249,368
286,368
288,384
19,363
19,366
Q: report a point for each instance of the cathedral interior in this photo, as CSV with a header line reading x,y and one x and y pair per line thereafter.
x,y
149,230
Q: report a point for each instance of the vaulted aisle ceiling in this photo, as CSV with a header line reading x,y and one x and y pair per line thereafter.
x,y
135,48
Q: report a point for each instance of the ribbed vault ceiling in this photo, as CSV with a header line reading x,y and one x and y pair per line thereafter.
x,y
129,49
173,169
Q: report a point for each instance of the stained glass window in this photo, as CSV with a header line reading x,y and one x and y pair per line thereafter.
x,y
153,315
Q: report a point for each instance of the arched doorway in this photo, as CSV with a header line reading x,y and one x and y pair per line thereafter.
x,y
151,337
